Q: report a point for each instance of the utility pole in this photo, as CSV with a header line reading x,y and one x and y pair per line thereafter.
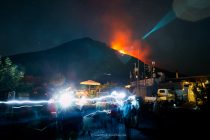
x,y
136,71
144,71
130,77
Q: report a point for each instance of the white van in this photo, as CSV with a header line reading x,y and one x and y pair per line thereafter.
x,y
165,94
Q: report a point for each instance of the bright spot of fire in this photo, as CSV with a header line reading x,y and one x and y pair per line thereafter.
x,y
121,34
123,42
122,52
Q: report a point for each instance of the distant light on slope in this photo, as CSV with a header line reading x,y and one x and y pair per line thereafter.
x,y
122,52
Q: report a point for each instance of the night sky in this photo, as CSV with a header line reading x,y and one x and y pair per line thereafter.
x,y
32,25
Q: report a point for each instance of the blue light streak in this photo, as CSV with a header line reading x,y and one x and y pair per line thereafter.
x,y
111,99
169,17
24,102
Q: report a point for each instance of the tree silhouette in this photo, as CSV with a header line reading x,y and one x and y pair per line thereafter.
x,y
10,75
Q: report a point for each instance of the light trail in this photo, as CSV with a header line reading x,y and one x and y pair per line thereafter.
x,y
24,102
81,101
100,98
24,106
117,99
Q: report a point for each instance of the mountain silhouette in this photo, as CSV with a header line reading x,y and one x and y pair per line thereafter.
x,y
78,60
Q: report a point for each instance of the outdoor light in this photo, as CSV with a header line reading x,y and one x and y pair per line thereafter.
x,y
63,97
51,101
65,100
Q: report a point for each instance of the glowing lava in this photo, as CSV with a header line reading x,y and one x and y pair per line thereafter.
x,y
121,34
123,42
122,52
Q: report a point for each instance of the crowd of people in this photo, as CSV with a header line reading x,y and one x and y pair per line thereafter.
x,y
72,122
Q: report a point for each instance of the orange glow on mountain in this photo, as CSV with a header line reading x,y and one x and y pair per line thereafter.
x,y
122,52
123,42
121,36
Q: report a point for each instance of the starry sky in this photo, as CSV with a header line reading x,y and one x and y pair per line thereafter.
x,y
33,25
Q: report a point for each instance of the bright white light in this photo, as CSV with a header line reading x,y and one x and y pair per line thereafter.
x,y
131,97
119,95
114,93
51,100
119,102
65,100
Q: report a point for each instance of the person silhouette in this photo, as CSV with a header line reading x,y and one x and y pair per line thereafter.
x,y
127,107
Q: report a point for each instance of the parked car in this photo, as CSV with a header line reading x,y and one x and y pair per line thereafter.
x,y
166,95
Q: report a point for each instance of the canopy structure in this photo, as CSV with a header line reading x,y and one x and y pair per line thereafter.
x,y
90,83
